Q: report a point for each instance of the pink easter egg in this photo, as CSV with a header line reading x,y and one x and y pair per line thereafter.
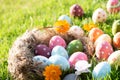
x,y
42,50
76,10
103,50
76,57
116,40
57,40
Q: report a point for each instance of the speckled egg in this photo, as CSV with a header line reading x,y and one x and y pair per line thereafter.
x,y
76,10
71,76
76,31
74,46
41,61
57,40
114,58
116,27
59,50
101,70
103,50
102,38
95,33
65,17
116,40
99,15
113,6
76,57
42,50
61,61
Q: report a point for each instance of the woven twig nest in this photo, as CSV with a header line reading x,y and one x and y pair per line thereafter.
x,y
20,63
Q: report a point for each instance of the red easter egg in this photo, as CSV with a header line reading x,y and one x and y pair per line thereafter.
x,y
95,33
42,50
103,50
57,41
76,57
76,10
116,40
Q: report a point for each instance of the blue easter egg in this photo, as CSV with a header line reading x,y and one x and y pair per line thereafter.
x,y
101,70
59,50
65,17
61,61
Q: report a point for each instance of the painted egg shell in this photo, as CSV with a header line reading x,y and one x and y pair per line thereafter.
x,y
102,38
95,33
74,46
114,58
113,6
57,40
76,31
103,50
61,61
59,50
41,61
116,40
76,10
116,27
42,50
99,15
76,57
67,18
71,76
101,70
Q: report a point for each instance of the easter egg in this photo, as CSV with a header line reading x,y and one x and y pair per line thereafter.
x,y
114,58
76,31
57,40
65,17
59,50
99,15
116,40
74,46
116,27
76,10
101,70
71,76
102,38
113,6
103,50
95,33
76,57
42,50
61,61
41,61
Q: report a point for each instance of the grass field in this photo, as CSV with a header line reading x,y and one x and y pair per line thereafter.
x,y
16,16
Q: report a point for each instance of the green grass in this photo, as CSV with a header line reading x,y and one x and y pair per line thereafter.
x,y
16,16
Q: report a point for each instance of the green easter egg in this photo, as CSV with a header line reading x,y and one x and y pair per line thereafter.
x,y
74,46
116,27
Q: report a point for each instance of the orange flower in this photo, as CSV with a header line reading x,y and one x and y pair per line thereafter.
x,y
52,72
62,26
89,26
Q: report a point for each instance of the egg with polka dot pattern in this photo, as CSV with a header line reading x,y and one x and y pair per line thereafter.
x,y
76,57
103,50
74,46
116,40
56,40
41,61
43,50
101,70
95,33
65,17
99,15
116,27
60,61
76,10
59,50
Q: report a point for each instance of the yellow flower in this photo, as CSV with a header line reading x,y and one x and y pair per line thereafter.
x,y
61,26
89,26
52,72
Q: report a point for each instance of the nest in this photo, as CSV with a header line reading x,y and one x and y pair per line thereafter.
x,y
20,63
